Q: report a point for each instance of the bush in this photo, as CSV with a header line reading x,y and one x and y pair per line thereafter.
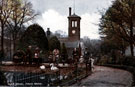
x,y
1,54
129,61
3,80
105,60
34,36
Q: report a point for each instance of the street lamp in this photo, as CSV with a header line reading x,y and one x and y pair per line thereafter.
x,y
86,67
76,70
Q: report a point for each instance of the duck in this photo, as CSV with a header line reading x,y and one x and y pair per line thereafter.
x,y
61,77
65,76
53,68
42,67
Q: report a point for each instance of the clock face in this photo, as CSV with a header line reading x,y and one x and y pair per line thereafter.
x,y
73,31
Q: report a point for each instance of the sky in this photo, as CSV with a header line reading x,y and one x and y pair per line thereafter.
x,y
54,13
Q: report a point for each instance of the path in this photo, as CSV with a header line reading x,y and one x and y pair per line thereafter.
x,y
106,77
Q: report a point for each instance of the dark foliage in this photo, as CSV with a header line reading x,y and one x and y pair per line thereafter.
x,y
34,36
54,43
3,80
64,53
117,24
129,61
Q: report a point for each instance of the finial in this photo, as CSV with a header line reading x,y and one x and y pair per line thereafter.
x,y
74,6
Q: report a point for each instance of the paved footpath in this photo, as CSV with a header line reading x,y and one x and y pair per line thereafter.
x,y
107,77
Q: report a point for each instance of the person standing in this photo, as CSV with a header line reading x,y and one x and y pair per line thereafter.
x,y
86,55
18,56
91,64
37,56
81,60
86,58
29,54
75,55
56,56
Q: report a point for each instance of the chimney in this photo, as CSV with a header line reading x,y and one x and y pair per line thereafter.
x,y
48,32
70,11
48,29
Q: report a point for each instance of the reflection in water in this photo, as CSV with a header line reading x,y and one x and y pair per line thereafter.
x,y
22,78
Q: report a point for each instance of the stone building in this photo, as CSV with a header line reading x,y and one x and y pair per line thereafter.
x,y
73,40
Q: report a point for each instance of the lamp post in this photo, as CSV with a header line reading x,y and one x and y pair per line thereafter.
x,y
49,77
76,70
86,68
59,76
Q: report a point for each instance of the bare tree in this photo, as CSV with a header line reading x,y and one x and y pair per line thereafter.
x,y
92,45
5,12
22,12
60,33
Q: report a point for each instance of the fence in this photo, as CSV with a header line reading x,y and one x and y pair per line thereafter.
x,y
30,79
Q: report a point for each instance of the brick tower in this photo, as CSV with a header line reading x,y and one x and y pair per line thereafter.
x,y
73,26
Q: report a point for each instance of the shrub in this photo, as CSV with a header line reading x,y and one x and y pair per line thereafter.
x,y
3,80
129,61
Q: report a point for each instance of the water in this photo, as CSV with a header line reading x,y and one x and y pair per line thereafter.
x,y
30,79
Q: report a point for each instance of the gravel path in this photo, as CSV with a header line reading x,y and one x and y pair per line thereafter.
x,y
107,77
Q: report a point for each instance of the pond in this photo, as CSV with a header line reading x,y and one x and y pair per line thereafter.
x,y
31,79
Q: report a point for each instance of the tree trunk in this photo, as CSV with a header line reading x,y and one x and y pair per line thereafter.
x,y
10,46
14,45
2,40
123,51
131,38
132,49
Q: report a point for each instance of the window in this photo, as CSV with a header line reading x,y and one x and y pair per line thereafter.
x,y
74,23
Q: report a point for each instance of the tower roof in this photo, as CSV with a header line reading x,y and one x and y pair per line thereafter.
x,y
74,15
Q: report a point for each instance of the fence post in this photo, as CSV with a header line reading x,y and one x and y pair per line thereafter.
x,y
76,70
59,76
86,69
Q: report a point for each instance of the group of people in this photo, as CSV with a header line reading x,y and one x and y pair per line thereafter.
x,y
86,58
27,57
54,56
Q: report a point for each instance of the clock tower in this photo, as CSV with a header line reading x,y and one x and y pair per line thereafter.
x,y
73,26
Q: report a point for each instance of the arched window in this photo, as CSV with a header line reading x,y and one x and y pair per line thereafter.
x,y
74,23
